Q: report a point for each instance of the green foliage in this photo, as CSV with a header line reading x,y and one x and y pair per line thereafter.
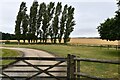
x,y
45,16
25,22
50,12
44,22
39,19
106,30
55,23
19,21
33,20
69,24
7,36
62,23
110,29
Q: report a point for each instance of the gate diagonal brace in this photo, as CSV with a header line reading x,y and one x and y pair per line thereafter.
x,y
42,71
8,76
6,66
46,70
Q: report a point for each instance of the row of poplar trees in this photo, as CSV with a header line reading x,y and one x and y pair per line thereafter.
x,y
45,21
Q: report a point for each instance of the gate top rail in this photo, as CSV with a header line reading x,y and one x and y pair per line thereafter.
x,y
98,60
61,59
34,58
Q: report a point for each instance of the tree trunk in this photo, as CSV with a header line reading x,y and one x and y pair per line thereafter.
x,y
23,41
51,40
118,44
18,42
65,40
60,40
45,41
28,41
55,40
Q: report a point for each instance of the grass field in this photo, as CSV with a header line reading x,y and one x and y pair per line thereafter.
x,y
8,53
97,69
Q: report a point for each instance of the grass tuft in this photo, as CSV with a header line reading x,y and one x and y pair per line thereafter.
x,y
8,53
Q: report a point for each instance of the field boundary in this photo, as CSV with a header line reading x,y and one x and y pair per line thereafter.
x,y
95,45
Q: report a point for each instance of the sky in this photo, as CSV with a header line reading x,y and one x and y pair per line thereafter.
x,y
88,14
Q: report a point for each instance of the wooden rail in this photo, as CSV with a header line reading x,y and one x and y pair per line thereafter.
x,y
34,58
98,61
75,67
72,65
37,69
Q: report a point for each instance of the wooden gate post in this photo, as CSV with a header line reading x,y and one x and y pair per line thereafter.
x,y
68,67
78,70
71,67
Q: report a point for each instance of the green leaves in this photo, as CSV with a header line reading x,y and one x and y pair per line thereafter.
x,y
106,29
62,23
69,24
45,21
110,29
55,22
20,18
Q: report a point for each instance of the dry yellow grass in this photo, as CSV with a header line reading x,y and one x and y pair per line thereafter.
x,y
92,41
81,41
8,40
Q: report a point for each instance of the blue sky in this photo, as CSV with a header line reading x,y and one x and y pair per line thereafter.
x,y
88,14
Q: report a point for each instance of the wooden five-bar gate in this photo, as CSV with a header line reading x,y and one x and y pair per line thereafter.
x,y
67,68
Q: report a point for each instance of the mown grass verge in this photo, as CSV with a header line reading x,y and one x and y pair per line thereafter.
x,y
8,53
96,69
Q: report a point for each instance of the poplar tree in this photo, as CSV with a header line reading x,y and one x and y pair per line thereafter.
x,y
44,22
62,23
25,22
39,20
55,23
69,24
19,21
33,20
50,10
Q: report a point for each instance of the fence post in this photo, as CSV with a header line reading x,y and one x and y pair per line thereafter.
x,y
73,76
71,67
78,70
68,67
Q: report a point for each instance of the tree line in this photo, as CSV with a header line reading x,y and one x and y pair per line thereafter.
x,y
45,21
7,36
110,28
